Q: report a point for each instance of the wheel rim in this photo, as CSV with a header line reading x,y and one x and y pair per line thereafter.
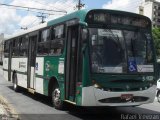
x,y
15,85
56,97
15,82
158,97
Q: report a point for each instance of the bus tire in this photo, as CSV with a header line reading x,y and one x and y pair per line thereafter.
x,y
15,85
158,96
57,102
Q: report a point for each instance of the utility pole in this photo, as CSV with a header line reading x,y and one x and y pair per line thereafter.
x,y
24,28
42,17
80,5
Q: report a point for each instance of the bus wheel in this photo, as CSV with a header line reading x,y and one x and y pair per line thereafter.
x,y
158,96
57,102
15,86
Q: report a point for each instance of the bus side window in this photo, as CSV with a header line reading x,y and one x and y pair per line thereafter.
x,y
15,51
43,43
6,49
13,45
23,44
57,40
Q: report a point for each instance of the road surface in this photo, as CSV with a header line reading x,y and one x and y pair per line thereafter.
x,y
38,107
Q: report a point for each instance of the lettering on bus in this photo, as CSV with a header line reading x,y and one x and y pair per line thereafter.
x,y
22,65
5,61
36,66
61,67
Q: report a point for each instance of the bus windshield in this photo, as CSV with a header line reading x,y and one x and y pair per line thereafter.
x,y
120,51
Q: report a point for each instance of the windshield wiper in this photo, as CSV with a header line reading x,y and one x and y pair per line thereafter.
x,y
114,36
132,48
146,39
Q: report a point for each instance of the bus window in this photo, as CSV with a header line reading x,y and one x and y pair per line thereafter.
x,y
59,31
139,47
107,51
15,51
6,48
45,35
23,47
57,41
43,43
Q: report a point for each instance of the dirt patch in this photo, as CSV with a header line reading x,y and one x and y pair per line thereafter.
x,y
10,113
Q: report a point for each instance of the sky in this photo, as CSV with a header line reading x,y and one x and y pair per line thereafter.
x,y
12,20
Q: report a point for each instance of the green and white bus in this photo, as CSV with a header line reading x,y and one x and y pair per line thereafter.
x,y
88,58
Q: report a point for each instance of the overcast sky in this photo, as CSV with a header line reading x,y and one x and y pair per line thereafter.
x,y
12,19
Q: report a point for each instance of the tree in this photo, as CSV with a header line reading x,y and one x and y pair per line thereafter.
x,y
156,37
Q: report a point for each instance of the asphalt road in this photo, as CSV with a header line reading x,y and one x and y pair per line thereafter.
x,y
38,107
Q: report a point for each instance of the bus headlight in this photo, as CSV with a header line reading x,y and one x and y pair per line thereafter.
x,y
98,86
149,78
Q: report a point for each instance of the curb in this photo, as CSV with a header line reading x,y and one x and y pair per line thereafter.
x,y
10,112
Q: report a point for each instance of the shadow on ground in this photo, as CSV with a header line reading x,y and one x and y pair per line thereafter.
x,y
87,113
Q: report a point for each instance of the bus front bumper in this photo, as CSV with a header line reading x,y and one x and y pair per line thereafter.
x,y
92,96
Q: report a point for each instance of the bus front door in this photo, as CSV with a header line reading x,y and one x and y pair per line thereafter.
x,y
71,63
31,61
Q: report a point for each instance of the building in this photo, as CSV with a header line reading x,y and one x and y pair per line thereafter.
x,y
151,9
1,37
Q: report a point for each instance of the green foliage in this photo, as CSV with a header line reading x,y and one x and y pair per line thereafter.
x,y
156,37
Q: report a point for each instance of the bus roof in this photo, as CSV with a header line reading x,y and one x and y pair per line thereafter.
x,y
81,15
28,31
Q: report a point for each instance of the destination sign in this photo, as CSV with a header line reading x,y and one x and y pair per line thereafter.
x,y
117,18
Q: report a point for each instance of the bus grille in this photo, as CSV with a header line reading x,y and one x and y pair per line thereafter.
x,y
128,85
120,89
119,100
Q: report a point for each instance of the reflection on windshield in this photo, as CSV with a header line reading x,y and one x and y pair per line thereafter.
x,y
138,51
117,51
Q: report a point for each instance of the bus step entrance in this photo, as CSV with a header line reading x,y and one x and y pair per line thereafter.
x,y
31,90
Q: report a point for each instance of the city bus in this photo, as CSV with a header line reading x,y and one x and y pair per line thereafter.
x,y
95,57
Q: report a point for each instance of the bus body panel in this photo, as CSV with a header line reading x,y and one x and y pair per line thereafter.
x,y
39,85
52,67
92,95
5,74
5,63
5,68
19,65
22,80
39,72
32,78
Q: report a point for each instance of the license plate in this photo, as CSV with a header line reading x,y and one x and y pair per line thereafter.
x,y
126,96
